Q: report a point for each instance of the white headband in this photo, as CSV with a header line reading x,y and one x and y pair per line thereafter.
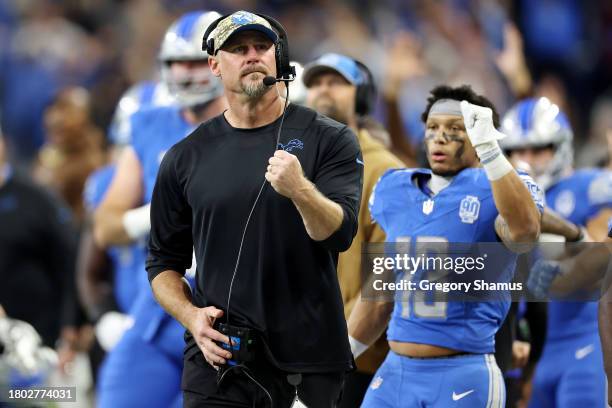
x,y
445,107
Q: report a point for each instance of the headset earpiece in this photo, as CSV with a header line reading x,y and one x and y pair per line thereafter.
x,y
208,45
366,92
283,66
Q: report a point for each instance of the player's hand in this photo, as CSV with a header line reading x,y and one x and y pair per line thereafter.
x,y
520,353
201,328
284,172
511,60
403,61
478,122
541,276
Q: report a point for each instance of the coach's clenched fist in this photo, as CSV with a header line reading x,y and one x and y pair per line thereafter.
x,y
285,174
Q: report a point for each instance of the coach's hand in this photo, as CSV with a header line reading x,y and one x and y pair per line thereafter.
x,y
285,174
201,329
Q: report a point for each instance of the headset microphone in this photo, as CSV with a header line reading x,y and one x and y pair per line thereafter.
x,y
270,80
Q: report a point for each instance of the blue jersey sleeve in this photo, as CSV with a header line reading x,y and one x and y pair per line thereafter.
x,y
537,194
377,198
600,192
137,138
96,186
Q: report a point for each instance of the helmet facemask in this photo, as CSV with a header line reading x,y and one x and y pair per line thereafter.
x,y
191,82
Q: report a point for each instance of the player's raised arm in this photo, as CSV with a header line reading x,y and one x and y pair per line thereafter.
x,y
514,195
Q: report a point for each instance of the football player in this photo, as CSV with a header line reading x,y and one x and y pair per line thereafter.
x,y
570,372
144,369
441,351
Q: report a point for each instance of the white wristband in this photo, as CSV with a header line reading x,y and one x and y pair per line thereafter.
x,y
357,347
495,164
137,222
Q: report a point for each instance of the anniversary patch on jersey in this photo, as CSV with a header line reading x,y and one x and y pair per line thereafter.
x,y
469,208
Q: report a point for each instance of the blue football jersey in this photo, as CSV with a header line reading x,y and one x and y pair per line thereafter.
x,y
463,212
126,260
143,95
154,132
578,198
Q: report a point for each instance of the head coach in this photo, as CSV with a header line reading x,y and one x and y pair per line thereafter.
x,y
266,194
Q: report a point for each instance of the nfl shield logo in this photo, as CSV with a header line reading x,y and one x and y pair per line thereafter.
x,y
469,209
428,207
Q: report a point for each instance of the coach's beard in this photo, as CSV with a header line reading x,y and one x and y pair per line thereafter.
x,y
254,89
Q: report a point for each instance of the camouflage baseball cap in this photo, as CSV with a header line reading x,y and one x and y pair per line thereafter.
x,y
237,22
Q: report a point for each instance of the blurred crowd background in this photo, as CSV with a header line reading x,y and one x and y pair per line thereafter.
x,y
506,49
64,65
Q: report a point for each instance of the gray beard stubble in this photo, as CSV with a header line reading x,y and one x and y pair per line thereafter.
x,y
255,90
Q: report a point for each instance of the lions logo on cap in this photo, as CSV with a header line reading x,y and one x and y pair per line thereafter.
x,y
242,18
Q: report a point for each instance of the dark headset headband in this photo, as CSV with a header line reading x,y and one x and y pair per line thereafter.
x,y
366,91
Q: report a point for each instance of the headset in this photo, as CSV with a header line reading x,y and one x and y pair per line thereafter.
x,y
284,70
366,91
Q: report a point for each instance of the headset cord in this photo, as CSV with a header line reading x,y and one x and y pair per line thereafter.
x,y
246,225
245,370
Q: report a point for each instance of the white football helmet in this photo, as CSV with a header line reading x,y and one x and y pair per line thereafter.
x,y
533,123
183,42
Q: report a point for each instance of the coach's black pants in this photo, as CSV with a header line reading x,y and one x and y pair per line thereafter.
x,y
237,390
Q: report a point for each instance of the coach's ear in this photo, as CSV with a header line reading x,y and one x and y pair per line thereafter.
x,y
213,63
